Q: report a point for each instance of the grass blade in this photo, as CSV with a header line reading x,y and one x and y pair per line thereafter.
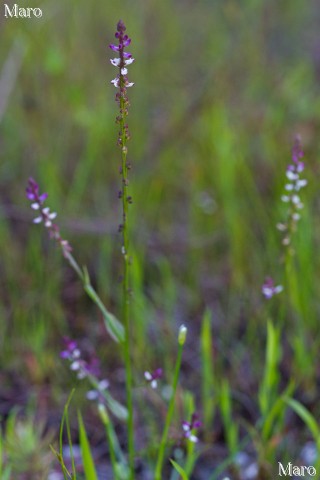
x,y
180,470
87,459
208,404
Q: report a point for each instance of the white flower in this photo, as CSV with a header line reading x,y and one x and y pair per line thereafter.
x,y
104,384
296,199
115,62
50,215
188,434
278,289
115,82
149,378
282,227
94,394
124,71
268,292
291,175
269,288
76,353
129,61
75,365
301,183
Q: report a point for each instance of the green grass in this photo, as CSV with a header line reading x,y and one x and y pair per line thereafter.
x,y
220,91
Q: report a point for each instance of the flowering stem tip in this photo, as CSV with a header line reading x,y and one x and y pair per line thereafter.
x,y
45,216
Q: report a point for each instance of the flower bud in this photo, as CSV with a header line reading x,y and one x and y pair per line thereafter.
x,y
182,335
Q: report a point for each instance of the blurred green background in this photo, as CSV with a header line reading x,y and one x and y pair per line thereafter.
x,y
221,89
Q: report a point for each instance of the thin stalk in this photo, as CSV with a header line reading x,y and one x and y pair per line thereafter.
x,y
125,285
126,323
159,466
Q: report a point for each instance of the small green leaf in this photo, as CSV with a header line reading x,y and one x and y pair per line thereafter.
x,y
306,416
113,326
88,463
180,470
115,407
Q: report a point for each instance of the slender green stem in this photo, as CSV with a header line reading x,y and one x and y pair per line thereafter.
x,y
125,285
158,471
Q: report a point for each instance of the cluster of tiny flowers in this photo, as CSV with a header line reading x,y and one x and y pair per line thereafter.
x,y
152,378
85,369
78,364
190,427
97,394
269,289
291,196
121,81
45,215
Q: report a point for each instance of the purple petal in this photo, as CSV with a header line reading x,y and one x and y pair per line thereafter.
x,y
186,426
70,344
30,195
43,197
127,55
33,183
113,47
157,373
127,42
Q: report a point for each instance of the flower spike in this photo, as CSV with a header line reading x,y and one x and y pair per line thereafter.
x,y
45,215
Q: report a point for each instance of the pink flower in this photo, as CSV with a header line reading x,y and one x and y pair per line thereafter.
x,y
189,428
153,377
269,289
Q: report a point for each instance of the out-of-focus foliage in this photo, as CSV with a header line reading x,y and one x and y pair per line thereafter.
x,y
221,88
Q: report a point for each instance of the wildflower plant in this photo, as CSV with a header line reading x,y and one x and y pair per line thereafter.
x,y
291,197
88,369
271,401
122,83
